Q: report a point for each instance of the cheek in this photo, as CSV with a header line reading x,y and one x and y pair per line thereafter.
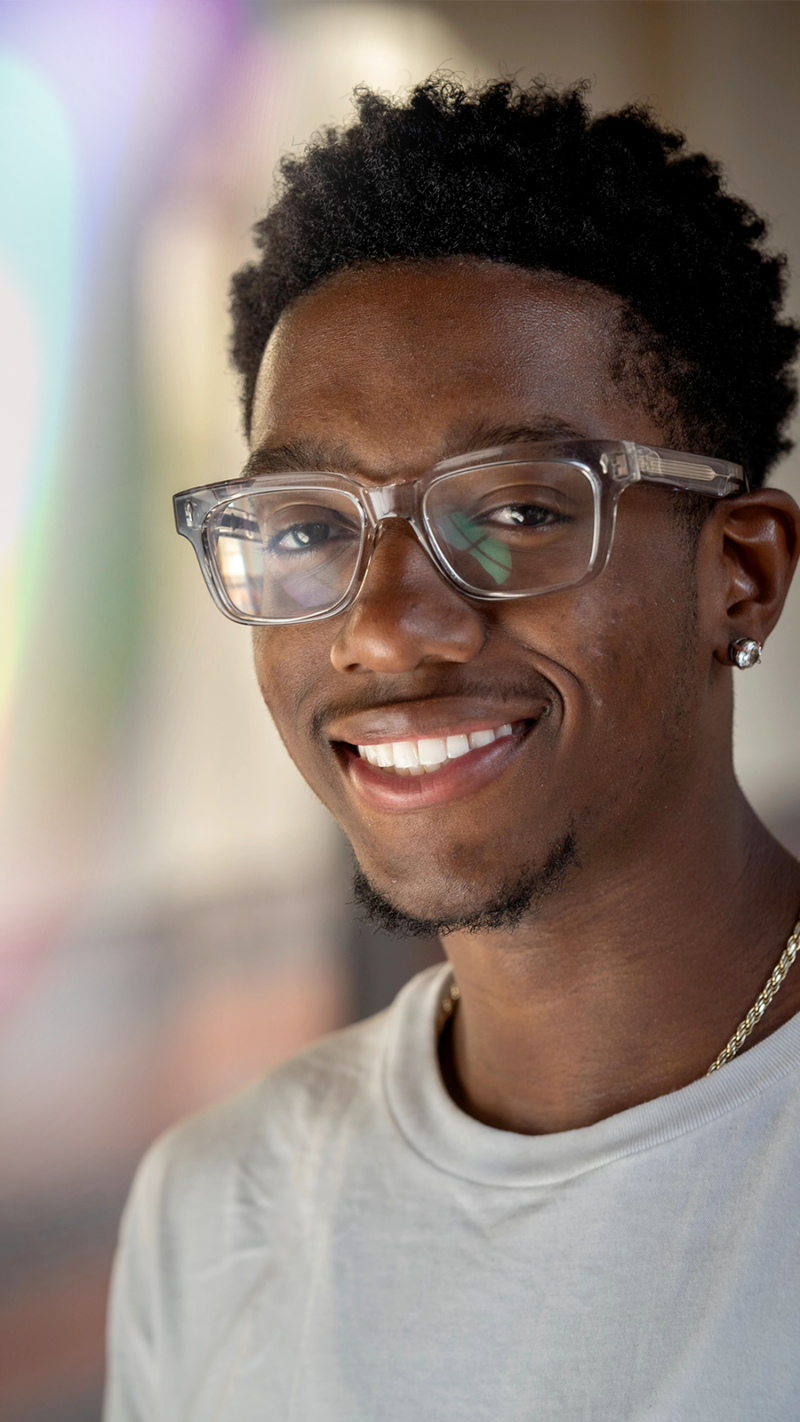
x,y
639,666
286,665
617,651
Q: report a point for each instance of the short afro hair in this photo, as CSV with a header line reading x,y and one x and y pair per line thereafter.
x,y
527,175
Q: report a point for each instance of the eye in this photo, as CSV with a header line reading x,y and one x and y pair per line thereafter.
x,y
525,516
302,536
309,536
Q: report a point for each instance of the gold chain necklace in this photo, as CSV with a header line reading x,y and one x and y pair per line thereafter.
x,y
762,1002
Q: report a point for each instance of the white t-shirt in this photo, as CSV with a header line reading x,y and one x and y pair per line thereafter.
x,y
340,1243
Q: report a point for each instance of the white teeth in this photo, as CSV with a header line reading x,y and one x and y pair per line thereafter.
x,y
405,754
480,738
430,753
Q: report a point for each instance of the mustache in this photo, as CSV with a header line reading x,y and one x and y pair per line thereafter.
x,y
389,693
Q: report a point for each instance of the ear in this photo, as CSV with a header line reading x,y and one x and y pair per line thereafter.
x,y
759,548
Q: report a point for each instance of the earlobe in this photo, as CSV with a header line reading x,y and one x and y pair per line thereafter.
x,y
760,547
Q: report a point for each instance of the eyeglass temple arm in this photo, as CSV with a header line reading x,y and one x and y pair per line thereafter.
x,y
717,477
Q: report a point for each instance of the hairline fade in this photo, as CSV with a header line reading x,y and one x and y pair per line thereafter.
x,y
528,176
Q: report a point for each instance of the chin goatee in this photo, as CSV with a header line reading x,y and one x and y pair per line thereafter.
x,y
516,900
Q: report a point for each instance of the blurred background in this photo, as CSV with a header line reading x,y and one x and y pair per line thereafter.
x,y
174,904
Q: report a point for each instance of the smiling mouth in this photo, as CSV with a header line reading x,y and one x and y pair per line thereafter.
x,y
427,755
422,772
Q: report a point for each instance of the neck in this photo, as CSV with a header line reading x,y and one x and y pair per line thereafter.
x,y
628,981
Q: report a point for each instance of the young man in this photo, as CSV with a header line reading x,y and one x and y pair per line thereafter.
x,y
513,378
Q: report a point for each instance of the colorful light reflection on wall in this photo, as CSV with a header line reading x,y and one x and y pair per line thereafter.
x,y
38,277
90,96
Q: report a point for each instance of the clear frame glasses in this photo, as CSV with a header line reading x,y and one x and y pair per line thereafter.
x,y
511,522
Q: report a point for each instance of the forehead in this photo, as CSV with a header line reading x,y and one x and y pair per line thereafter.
x,y
391,361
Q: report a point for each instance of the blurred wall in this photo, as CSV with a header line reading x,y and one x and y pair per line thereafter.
x,y
174,908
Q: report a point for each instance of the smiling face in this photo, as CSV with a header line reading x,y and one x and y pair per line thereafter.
x,y
555,729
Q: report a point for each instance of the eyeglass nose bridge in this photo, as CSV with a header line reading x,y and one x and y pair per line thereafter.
x,y
392,501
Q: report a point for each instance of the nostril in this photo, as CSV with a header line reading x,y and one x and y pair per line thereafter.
x,y
400,631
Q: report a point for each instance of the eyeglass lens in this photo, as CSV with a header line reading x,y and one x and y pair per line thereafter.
x,y
526,527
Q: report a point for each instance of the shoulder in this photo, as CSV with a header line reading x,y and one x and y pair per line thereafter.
x,y
274,1123
220,1198
269,1153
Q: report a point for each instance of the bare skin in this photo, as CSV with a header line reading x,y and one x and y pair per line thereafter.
x,y
627,980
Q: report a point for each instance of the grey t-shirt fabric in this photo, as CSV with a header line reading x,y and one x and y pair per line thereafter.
x,y
340,1243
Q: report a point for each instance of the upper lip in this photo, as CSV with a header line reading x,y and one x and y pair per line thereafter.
x,y
437,717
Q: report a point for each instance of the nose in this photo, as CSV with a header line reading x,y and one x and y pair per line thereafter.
x,y
405,614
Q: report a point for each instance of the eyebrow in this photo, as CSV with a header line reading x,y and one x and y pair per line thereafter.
x,y
299,456
319,456
481,435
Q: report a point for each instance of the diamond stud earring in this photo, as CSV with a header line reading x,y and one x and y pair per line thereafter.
x,y
745,652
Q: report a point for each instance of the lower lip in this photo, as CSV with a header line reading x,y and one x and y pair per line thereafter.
x,y
383,790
